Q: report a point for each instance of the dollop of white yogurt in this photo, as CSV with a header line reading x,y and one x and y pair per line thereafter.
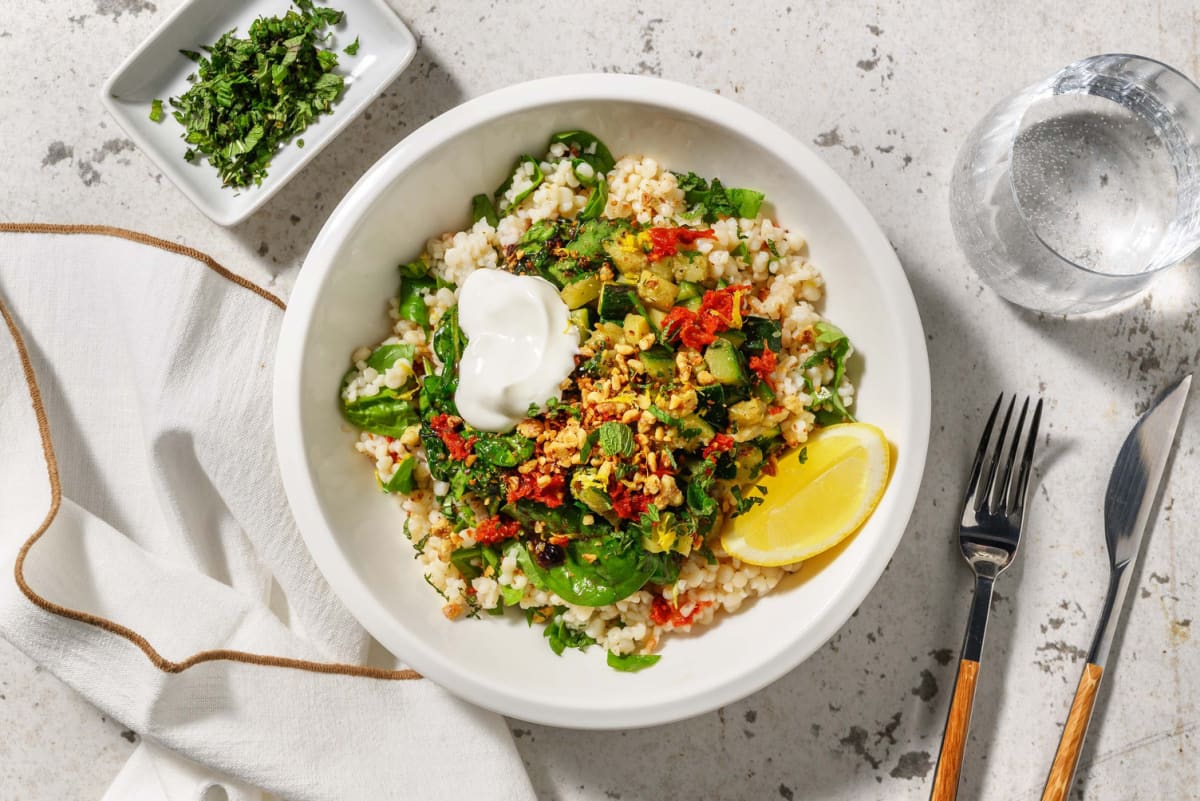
x,y
520,347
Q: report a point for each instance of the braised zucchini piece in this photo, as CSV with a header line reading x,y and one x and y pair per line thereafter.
x,y
749,461
691,304
582,291
659,362
698,430
616,301
691,266
657,291
710,404
656,318
761,331
588,488
735,336
689,290
724,362
636,327
747,413
581,319
628,259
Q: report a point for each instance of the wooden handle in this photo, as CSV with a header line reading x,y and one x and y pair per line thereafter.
x,y
1062,772
954,741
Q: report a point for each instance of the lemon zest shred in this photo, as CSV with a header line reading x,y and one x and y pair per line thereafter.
x,y
736,316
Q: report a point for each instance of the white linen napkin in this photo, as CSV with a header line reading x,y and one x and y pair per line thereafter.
x,y
174,532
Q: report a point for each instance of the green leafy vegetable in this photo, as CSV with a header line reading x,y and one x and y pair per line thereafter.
x,y
827,400
251,95
381,415
616,439
743,504
596,201
803,456
385,357
619,569
156,111
482,208
352,48
464,559
586,147
712,201
504,450
511,595
631,663
536,181
562,636
449,341
402,480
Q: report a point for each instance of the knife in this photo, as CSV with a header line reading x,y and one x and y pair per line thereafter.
x,y
1131,491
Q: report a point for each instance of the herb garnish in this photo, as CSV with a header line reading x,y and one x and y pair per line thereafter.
x,y
251,95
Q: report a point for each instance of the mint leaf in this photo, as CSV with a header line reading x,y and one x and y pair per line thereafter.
x,y
616,439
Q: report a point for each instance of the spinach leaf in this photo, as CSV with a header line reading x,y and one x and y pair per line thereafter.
x,y
464,560
385,356
631,663
511,595
381,415
504,450
712,201
537,179
482,208
596,202
617,572
449,341
410,304
562,636
587,147
745,202
402,480
589,239
563,520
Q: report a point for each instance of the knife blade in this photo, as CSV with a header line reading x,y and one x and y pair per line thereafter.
x,y
1132,488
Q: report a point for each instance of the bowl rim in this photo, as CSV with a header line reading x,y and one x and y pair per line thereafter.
x,y
342,223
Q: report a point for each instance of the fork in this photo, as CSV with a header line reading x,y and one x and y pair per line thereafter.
x,y
992,517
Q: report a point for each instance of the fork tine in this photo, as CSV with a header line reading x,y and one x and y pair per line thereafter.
x,y
1003,488
983,497
1017,502
973,482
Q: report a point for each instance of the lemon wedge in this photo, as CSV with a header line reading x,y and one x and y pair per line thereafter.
x,y
812,506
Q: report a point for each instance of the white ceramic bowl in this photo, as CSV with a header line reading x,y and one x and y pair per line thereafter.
x,y
422,188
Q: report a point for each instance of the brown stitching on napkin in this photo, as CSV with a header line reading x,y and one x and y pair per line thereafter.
x,y
142,239
43,423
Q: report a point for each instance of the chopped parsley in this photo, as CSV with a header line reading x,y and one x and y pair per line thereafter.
x,y
250,95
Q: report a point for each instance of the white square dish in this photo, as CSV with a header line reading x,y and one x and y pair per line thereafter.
x,y
157,70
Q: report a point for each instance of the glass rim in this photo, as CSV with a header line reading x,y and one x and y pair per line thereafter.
x,y
1025,219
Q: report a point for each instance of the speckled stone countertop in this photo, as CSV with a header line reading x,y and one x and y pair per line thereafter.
x,y
885,93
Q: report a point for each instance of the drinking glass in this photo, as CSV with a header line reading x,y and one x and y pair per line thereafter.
x,y
1075,192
